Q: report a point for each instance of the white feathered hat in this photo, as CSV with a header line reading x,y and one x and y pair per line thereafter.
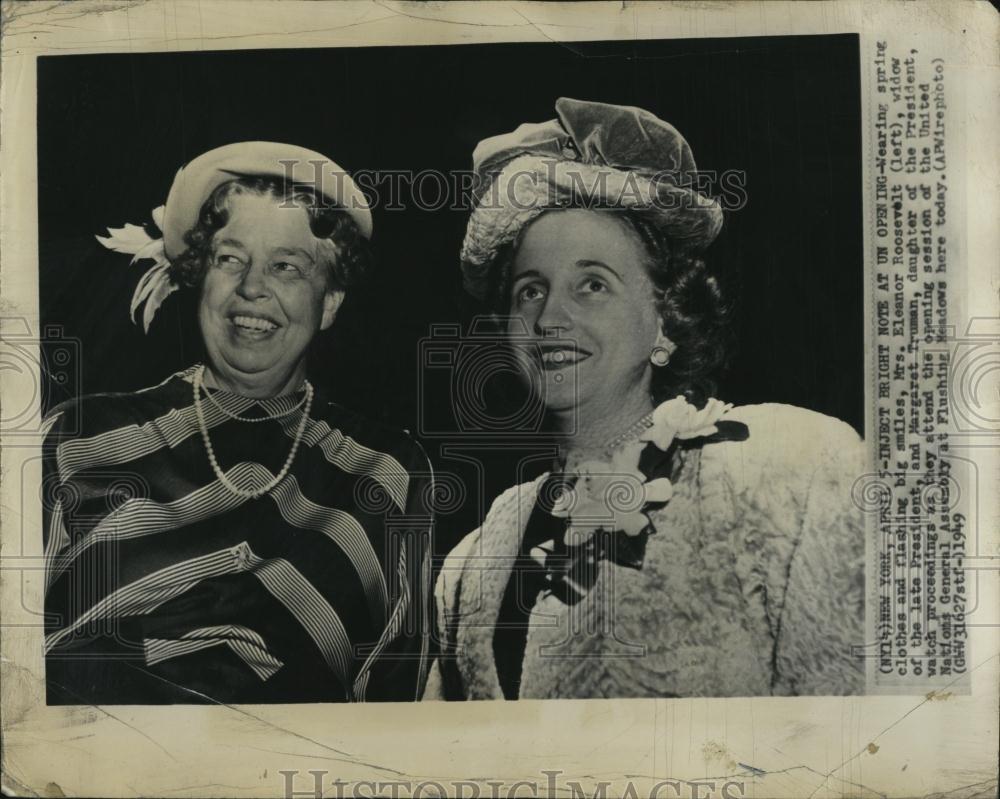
x,y
196,181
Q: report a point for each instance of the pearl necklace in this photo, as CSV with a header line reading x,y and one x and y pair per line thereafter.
x,y
635,429
254,419
632,431
197,384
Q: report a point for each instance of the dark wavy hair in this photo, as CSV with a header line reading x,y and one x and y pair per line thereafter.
x,y
346,251
693,312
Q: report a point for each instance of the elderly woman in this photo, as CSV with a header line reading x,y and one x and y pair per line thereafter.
x,y
679,546
232,535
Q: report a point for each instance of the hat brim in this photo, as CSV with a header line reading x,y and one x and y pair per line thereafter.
x,y
196,181
529,186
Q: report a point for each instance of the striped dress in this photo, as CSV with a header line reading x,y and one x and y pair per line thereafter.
x,y
163,586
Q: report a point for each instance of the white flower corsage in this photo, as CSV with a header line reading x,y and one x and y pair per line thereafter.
x,y
614,495
678,418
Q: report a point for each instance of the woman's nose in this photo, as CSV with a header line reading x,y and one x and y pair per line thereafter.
x,y
253,284
554,317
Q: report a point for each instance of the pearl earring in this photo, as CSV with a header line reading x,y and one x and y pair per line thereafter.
x,y
660,356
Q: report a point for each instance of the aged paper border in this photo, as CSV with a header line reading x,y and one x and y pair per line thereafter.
x,y
860,746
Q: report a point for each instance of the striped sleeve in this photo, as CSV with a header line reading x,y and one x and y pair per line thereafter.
x,y
55,538
395,669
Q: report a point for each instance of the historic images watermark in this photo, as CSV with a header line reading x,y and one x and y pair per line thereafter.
x,y
464,190
318,783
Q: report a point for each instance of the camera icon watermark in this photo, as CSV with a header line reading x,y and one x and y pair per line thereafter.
x,y
974,379
39,371
495,382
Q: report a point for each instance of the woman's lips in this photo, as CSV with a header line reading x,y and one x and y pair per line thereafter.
x,y
556,358
256,326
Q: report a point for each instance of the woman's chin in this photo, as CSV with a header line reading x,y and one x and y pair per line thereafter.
x,y
560,398
241,365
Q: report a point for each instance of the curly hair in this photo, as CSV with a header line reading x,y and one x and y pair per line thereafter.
x,y
693,312
343,248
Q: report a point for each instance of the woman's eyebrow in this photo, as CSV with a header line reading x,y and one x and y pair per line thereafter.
x,y
526,273
583,264
230,242
294,251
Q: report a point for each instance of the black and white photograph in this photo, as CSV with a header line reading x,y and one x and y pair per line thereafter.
x,y
219,531
378,370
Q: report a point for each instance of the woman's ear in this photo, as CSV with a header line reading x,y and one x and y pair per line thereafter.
x,y
331,304
664,342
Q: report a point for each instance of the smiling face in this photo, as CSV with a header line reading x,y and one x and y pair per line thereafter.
x,y
579,276
264,296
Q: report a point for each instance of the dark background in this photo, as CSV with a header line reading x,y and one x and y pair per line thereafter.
x,y
113,130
